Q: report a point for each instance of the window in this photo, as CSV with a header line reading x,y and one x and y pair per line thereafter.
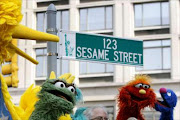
x,y
151,14
41,21
41,68
98,18
150,114
157,55
62,20
90,67
63,67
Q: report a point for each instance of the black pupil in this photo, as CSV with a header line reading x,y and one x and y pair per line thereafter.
x,y
72,90
139,85
62,85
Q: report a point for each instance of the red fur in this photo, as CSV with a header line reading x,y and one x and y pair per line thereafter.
x,y
131,102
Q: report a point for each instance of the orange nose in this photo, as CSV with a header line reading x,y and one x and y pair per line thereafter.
x,y
142,91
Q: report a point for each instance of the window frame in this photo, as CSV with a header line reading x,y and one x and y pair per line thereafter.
x,y
45,20
105,15
155,114
44,67
162,70
58,66
97,73
43,45
142,17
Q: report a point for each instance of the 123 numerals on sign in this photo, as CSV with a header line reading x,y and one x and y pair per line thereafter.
x,y
110,44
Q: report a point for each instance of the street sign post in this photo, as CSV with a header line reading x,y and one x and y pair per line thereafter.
x,y
51,46
101,48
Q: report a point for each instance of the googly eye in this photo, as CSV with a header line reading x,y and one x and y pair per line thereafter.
x,y
169,94
139,85
146,86
60,85
72,89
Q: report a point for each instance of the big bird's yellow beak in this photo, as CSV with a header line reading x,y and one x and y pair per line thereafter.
x,y
10,28
23,32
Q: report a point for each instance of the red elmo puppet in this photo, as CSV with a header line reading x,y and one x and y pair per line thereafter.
x,y
135,96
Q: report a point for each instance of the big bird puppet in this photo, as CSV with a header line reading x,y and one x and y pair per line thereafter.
x,y
10,17
54,100
135,96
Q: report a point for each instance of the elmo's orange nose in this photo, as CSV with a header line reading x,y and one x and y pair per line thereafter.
x,y
142,91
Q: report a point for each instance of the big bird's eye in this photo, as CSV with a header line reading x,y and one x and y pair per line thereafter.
x,y
72,89
60,85
146,86
139,85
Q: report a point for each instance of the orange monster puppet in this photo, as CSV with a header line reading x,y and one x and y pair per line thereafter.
x,y
135,96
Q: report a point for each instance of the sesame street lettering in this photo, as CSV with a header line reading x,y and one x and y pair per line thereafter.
x,y
101,48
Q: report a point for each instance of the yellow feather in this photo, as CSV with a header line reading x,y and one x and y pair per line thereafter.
x,y
67,76
7,99
52,75
28,100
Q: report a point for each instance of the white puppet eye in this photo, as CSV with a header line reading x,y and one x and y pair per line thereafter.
x,y
146,86
72,89
139,85
60,85
169,94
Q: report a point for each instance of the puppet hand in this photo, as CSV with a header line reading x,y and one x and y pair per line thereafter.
x,y
152,99
124,97
65,117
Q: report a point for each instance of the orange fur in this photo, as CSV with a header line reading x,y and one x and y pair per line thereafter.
x,y
140,79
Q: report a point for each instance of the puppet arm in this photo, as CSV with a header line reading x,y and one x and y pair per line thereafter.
x,y
124,97
161,108
149,102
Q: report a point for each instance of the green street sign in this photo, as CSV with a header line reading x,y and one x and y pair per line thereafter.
x,y
101,48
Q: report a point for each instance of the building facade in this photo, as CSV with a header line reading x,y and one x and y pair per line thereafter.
x,y
156,22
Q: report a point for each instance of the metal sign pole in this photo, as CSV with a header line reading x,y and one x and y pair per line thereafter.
x,y
51,46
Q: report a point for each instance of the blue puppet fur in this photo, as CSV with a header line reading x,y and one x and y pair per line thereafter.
x,y
79,114
79,96
166,106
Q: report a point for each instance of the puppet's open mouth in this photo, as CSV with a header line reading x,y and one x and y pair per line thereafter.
x,y
61,95
136,98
